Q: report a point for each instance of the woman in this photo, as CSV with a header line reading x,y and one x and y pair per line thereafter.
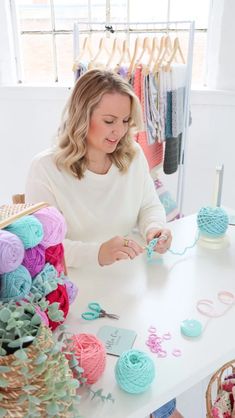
x,y
98,177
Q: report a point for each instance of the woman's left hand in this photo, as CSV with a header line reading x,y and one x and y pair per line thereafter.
x,y
164,239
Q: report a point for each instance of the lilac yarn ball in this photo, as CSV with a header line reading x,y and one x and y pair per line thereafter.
x,y
34,259
11,252
72,290
54,226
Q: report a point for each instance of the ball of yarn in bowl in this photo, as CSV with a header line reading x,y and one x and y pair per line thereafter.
x,y
212,222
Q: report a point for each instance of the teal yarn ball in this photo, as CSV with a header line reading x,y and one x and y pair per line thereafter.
x,y
212,222
15,285
28,229
134,371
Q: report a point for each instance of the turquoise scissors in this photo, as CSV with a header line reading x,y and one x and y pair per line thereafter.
x,y
96,312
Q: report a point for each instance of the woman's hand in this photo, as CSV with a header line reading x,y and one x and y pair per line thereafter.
x,y
118,248
164,239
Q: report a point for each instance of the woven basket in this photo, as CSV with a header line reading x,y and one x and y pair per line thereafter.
x,y
56,365
10,213
215,385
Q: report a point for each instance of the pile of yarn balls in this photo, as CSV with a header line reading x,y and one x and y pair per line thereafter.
x,y
32,261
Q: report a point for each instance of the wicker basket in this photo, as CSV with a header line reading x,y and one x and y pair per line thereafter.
x,y
215,385
57,364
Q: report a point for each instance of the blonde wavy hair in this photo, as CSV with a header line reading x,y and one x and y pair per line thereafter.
x,y
71,149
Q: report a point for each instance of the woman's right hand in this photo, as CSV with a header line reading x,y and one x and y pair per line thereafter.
x,y
118,248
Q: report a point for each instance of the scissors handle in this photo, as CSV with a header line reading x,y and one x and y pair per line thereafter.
x,y
94,306
89,316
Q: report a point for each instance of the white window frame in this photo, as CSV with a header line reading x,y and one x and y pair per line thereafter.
x,y
54,32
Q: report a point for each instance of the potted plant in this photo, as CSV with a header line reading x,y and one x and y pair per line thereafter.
x,y
35,376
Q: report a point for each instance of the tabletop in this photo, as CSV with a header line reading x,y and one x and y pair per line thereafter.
x,y
160,295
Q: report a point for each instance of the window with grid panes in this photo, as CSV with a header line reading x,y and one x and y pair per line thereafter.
x,y
45,31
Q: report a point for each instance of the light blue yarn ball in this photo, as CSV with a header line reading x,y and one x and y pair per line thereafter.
x,y
15,285
212,222
134,371
28,229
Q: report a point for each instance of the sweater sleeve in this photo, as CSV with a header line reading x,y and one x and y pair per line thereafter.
x,y
77,253
152,213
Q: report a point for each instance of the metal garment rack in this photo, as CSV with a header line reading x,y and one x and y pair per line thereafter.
x,y
150,27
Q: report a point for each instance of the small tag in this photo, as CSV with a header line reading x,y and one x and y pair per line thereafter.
x,y
116,340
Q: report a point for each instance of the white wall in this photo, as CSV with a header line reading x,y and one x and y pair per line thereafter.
x,y
30,117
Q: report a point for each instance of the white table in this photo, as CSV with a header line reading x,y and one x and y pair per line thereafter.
x,y
161,295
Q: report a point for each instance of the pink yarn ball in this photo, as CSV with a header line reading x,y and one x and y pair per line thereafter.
x,y
54,226
91,355
34,259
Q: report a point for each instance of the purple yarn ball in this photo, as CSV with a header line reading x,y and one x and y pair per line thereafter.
x,y
72,290
11,252
54,226
34,259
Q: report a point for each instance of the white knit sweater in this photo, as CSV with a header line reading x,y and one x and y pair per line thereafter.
x,y
97,207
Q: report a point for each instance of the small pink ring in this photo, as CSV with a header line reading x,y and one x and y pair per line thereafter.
x,y
177,352
162,353
166,336
152,329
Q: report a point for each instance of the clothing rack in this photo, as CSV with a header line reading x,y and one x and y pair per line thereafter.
x,y
150,27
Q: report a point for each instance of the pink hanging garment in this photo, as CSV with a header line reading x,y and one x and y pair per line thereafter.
x,y
153,152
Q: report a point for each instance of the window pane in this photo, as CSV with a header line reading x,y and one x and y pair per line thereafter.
x,y
118,11
197,10
148,10
37,59
34,14
64,46
67,13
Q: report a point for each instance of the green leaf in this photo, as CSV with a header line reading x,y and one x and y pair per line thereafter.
x,y
52,408
21,355
5,369
3,382
46,397
22,398
20,341
3,412
35,400
40,359
29,388
54,307
36,320
74,384
5,314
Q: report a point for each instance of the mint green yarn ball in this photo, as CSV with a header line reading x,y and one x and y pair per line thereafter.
x,y
28,229
134,371
212,222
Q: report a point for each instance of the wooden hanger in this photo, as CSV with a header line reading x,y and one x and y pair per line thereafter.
x,y
126,56
115,49
164,52
155,47
146,48
86,48
176,49
102,48
138,45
